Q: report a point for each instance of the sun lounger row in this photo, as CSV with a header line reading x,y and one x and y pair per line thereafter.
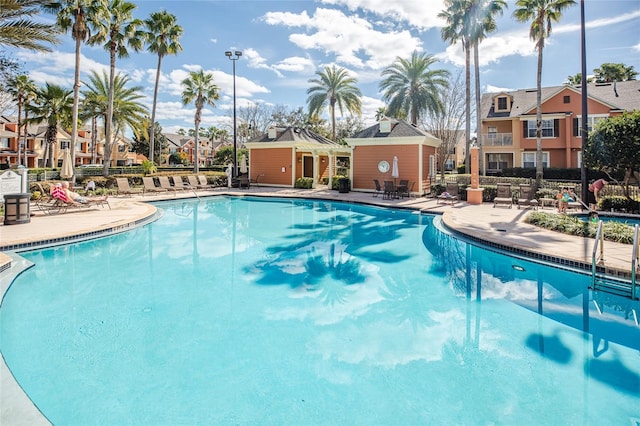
x,y
164,185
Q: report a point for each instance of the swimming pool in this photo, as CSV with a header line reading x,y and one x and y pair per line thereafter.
x,y
246,310
630,220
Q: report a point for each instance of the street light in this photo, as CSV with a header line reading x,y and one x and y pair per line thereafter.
x,y
234,56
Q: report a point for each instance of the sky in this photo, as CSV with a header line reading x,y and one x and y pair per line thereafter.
x,y
284,43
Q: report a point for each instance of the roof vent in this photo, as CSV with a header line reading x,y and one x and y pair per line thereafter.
x,y
385,126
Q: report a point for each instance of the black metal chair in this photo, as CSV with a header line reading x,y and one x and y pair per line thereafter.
x,y
378,188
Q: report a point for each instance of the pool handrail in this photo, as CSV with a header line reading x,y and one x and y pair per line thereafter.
x,y
634,261
599,243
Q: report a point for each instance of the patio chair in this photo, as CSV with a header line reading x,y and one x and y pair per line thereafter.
x,y
242,182
256,180
403,188
150,185
527,197
204,184
164,183
179,184
503,195
452,193
378,187
389,190
125,189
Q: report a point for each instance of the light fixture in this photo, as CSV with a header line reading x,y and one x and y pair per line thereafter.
x,y
234,56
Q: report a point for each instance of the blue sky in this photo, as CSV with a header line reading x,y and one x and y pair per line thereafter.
x,y
285,42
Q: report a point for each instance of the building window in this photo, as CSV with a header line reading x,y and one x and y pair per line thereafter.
x,y
65,144
121,148
591,122
502,103
567,99
547,128
4,142
498,161
529,159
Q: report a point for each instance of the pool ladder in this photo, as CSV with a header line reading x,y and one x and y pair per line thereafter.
x,y
612,285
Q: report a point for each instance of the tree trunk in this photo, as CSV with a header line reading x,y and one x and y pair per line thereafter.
x,y
109,119
467,111
152,133
76,101
476,66
539,117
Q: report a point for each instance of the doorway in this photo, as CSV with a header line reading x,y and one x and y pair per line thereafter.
x,y
307,169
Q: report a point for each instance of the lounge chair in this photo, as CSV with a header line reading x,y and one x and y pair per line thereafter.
x,y
179,184
204,184
150,185
451,194
503,195
378,187
527,197
389,190
125,189
164,183
242,182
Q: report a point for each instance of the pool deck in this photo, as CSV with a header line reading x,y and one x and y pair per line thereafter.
x,y
501,227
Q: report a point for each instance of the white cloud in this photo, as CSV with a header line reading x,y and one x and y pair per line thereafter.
x,y
420,14
496,89
58,67
636,47
353,40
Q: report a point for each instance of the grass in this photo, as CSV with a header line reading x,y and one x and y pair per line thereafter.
x,y
571,225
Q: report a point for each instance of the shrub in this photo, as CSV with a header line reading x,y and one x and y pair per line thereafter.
x,y
618,203
571,225
335,182
304,183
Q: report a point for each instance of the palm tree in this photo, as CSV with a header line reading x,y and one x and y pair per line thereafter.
x,y
334,86
609,72
541,14
52,105
128,111
456,14
482,23
21,88
77,16
119,30
163,38
18,30
410,87
200,89
576,80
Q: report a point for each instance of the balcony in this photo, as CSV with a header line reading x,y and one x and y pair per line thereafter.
x,y
497,139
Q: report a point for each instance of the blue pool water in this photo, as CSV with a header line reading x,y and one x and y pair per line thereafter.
x,y
252,311
628,220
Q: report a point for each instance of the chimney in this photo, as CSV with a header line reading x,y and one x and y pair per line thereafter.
x,y
385,126
271,133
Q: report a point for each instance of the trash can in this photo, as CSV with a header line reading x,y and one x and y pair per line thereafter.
x,y
343,185
16,208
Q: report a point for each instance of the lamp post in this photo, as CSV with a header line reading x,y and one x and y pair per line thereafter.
x,y
234,56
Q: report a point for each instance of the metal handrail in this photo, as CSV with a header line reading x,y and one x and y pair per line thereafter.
x,y
635,257
599,243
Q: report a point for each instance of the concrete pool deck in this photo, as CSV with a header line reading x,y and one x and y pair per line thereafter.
x,y
500,227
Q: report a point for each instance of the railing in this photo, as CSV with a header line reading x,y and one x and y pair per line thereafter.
x,y
634,262
497,139
599,244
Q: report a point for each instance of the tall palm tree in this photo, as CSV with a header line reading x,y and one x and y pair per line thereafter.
x,y
541,14
200,89
334,86
456,14
17,29
127,112
163,38
410,87
482,22
119,31
77,16
21,88
52,105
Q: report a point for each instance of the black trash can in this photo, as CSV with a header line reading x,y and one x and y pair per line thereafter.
x,y
16,208
343,185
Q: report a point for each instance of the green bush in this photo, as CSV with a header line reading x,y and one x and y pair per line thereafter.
x,y
335,182
618,203
304,183
571,225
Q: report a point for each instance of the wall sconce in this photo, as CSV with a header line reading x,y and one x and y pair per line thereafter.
x,y
299,159
324,159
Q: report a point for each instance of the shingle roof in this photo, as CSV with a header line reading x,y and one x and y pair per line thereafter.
x,y
624,95
296,135
399,129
